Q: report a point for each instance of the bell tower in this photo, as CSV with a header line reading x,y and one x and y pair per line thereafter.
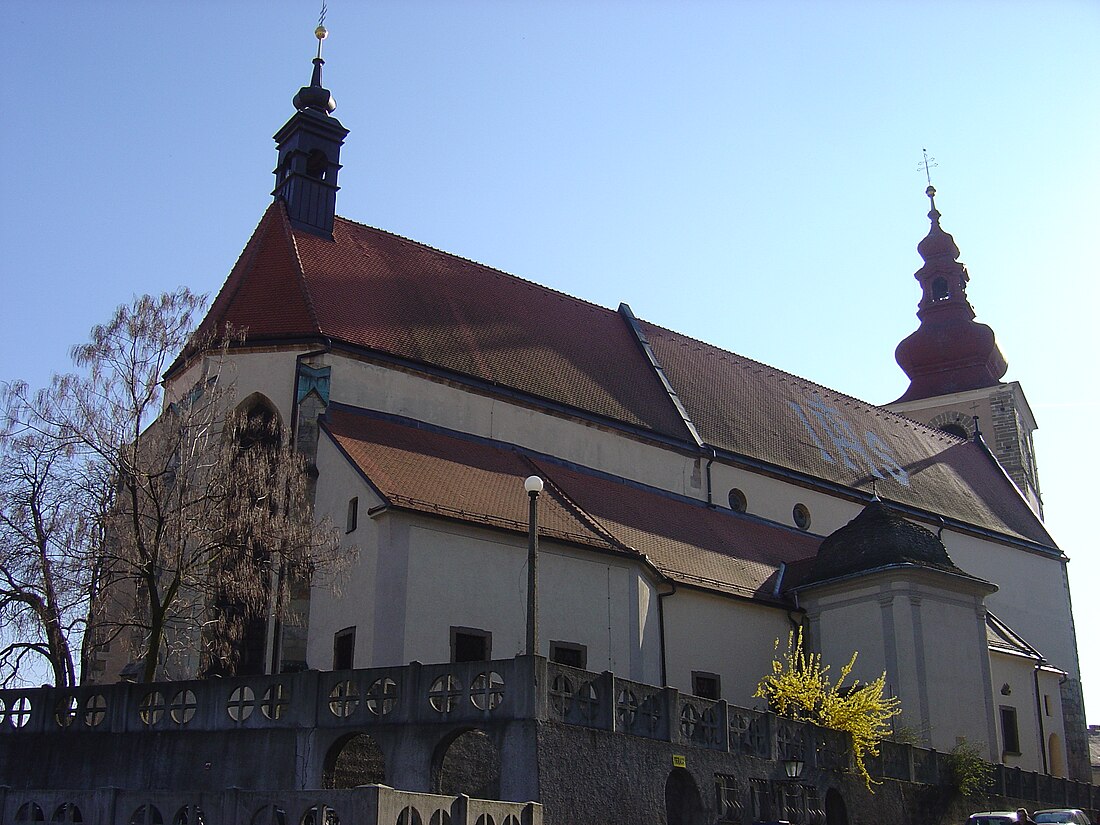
x,y
309,155
955,367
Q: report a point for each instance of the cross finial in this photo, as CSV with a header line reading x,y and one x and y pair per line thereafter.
x,y
926,165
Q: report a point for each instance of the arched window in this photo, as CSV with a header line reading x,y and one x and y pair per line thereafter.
x,y
940,291
235,639
317,165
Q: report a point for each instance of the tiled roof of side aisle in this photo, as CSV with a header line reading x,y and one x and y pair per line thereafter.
x,y
383,293
481,483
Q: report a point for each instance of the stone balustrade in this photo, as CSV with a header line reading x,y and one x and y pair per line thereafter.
x,y
420,697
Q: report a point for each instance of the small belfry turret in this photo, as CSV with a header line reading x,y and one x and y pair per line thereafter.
x,y
309,155
955,367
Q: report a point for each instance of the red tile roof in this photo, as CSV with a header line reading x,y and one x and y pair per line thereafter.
x,y
482,483
382,293
751,409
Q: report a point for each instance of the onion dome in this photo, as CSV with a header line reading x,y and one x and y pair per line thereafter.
x,y
315,96
937,243
878,537
950,351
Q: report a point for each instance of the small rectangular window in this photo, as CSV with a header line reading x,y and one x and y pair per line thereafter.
x,y
353,513
343,649
706,685
569,654
469,644
1010,733
1046,703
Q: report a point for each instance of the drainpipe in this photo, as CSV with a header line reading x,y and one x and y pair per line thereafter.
x,y
710,488
661,624
1039,711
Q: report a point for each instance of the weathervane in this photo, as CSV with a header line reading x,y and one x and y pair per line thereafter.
x,y
321,32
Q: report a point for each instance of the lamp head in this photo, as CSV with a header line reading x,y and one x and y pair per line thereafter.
x,y
533,485
793,767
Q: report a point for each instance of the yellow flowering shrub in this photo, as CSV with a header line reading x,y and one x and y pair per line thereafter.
x,y
799,688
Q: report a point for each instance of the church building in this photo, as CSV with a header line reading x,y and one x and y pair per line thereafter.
x,y
695,505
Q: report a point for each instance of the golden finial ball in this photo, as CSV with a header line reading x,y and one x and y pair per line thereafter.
x,y
321,32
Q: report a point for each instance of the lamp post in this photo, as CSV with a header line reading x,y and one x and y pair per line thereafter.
x,y
533,486
792,793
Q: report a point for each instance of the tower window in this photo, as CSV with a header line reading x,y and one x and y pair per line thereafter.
x,y
940,292
317,164
956,430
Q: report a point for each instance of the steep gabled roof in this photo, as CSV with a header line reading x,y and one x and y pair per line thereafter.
x,y
751,409
377,292
479,482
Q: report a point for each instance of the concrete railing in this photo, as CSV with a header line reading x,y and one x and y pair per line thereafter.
x,y
367,805
477,693
414,694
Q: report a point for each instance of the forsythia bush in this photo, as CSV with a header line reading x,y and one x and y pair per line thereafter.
x,y
798,687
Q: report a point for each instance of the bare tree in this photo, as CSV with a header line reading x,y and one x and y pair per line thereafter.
x,y
208,518
51,497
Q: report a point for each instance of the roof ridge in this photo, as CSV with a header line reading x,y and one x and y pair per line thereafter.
x,y
307,295
583,515
486,267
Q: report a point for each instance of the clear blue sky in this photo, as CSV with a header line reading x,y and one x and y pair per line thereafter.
x,y
743,172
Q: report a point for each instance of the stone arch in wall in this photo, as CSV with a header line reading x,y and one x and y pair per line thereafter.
x,y
466,761
354,760
683,804
955,423
1056,755
836,812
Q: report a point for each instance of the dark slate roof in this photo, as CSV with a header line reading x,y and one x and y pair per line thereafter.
x,y
479,482
878,537
1003,638
381,293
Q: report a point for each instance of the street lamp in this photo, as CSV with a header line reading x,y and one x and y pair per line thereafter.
x,y
533,486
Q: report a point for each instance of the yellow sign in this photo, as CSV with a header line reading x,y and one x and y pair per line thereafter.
x,y
679,761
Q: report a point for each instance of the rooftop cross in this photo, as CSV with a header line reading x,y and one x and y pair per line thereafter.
x,y
927,164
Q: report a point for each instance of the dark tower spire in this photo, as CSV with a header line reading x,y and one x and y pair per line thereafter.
x,y
309,155
950,351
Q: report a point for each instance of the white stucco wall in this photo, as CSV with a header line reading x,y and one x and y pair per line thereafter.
x,y
927,632
731,638
416,577
268,372
1032,597
1014,686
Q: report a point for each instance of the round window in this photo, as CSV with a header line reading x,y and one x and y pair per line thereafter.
x,y
801,516
738,502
